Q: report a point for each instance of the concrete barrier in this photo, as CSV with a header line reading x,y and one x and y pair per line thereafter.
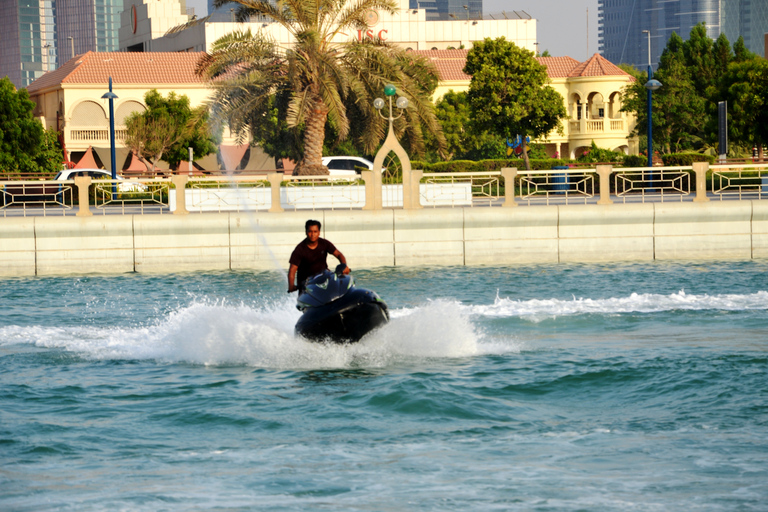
x,y
703,230
17,246
504,236
371,238
759,229
169,243
84,245
606,233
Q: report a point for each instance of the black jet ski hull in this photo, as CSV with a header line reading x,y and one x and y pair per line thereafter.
x,y
345,320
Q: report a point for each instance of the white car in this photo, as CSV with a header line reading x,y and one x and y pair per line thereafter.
x,y
101,174
344,166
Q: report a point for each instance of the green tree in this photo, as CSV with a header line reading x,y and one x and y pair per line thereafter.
x,y
685,108
745,86
315,84
25,146
463,139
508,94
166,129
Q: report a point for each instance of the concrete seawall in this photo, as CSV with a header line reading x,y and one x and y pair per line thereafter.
x,y
444,236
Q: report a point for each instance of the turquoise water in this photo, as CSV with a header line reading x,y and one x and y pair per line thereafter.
x,y
553,387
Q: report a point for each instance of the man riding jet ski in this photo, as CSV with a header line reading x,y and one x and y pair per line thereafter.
x,y
333,308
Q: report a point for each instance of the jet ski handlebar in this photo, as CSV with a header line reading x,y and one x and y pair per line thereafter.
x,y
340,268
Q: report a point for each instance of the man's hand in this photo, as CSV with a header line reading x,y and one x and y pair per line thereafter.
x,y
292,288
346,270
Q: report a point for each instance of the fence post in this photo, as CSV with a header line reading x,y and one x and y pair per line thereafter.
x,y
700,170
604,173
412,190
509,174
180,184
373,199
83,183
275,179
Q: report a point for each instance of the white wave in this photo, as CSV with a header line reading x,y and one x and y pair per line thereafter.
x,y
635,303
262,336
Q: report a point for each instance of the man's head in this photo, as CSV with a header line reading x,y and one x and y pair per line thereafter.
x,y
312,228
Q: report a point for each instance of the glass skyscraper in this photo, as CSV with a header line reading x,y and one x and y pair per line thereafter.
x,y
621,25
40,35
449,9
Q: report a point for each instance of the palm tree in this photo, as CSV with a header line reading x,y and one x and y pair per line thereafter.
x,y
322,77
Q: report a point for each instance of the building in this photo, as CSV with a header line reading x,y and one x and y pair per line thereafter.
x,y
29,43
591,91
162,25
622,22
40,35
449,9
69,99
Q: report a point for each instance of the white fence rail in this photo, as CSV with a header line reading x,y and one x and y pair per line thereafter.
x,y
275,192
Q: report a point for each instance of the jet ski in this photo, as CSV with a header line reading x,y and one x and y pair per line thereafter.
x,y
335,310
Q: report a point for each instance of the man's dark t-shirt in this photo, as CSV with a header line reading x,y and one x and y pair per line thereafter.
x,y
311,261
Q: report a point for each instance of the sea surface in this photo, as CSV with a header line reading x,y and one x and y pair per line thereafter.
x,y
540,387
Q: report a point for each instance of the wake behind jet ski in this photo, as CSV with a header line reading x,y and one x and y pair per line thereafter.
x,y
337,311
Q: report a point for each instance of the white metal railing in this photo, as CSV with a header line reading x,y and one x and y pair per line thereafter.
x,y
322,192
461,189
739,181
561,186
660,184
36,198
275,192
135,196
217,194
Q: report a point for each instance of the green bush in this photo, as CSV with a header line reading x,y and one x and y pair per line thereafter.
x,y
675,159
485,165
635,161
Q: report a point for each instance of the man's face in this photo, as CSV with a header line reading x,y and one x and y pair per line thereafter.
x,y
313,233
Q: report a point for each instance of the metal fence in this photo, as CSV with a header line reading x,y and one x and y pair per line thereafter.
x,y
276,192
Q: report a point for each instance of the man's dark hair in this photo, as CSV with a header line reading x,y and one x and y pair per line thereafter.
x,y
311,223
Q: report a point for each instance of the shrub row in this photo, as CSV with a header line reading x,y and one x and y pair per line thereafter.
x,y
675,159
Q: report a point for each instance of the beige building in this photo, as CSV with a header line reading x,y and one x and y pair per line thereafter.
x,y
70,100
158,25
591,91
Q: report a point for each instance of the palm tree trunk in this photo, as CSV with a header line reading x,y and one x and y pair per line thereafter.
x,y
314,137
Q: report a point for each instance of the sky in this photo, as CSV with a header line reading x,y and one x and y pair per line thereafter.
x,y
561,27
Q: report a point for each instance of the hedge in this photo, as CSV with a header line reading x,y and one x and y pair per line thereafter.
x,y
685,159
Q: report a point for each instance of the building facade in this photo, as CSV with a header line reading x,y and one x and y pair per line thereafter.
x,y
591,91
622,22
162,25
29,43
69,99
449,9
40,35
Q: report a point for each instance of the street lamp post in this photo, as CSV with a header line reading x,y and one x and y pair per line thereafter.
x,y
651,85
112,97
391,144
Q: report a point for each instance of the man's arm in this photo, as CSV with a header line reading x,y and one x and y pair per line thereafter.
x,y
342,259
292,278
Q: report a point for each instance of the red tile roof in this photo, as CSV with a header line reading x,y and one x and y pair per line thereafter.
x,y
450,65
124,68
597,65
558,67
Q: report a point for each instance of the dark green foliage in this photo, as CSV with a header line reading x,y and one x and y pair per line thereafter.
x,y
507,94
167,128
635,161
697,74
600,155
485,165
25,146
686,159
